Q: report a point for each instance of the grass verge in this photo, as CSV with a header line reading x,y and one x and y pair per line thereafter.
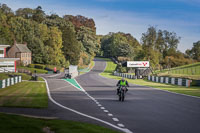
x,y
24,94
85,70
33,69
20,124
193,91
24,76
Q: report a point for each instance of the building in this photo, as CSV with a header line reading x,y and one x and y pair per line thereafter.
x,y
20,51
6,64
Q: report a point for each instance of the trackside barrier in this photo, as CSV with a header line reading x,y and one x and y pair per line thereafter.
x,y
10,81
125,75
169,80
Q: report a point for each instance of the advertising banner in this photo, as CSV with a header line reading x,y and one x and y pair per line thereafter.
x,y
138,64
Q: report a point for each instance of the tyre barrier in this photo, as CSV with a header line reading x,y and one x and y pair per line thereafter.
x,y
10,81
125,75
171,80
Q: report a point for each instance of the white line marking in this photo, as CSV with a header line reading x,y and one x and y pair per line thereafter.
x,y
102,108
110,114
99,105
115,119
120,125
82,114
105,111
74,85
97,102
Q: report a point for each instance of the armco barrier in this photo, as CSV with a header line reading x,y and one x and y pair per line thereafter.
x,y
10,81
125,75
170,80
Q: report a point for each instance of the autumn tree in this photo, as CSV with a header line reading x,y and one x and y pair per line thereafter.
x,y
195,51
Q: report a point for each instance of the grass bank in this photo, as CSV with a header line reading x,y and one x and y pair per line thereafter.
x,y
193,91
191,71
25,94
24,76
33,69
21,124
87,69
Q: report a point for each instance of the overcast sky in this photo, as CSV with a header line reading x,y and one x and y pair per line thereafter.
x,y
129,16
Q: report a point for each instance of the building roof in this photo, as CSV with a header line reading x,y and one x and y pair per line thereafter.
x,y
23,48
4,46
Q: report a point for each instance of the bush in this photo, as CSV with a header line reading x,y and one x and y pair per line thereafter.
x,y
39,66
121,69
31,65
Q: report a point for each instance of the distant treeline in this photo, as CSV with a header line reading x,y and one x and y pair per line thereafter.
x,y
72,40
157,46
52,39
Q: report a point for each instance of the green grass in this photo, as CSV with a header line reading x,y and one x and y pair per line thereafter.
x,y
24,94
110,67
20,124
33,69
191,71
193,77
24,76
85,70
193,91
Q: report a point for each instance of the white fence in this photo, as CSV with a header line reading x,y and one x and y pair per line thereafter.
x,y
125,75
10,81
170,80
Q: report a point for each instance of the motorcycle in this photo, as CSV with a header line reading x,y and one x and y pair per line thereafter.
x,y
122,93
67,76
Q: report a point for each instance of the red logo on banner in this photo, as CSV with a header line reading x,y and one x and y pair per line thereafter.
x,y
144,63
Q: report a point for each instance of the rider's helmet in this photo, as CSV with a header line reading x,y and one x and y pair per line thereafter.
x,y
123,79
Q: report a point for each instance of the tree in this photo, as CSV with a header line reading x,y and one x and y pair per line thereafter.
x,y
54,47
81,21
71,47
5,34
39,14
88,39
120,45
195,51
6,10
26,13
160,43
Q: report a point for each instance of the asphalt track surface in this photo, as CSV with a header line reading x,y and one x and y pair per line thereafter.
x,y
145,110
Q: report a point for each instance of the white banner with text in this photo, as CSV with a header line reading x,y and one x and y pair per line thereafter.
x,y
138,64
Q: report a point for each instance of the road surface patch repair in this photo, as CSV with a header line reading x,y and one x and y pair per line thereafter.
x,y
74,83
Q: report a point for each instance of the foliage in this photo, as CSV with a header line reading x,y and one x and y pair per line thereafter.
x,y
28,94
195,51
39,66
119,44
81,21
90,45
21,124
52,39
160,48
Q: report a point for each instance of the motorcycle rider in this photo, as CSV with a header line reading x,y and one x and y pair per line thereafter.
x,y
122,82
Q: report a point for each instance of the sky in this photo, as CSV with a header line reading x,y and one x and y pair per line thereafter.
x,y
129,16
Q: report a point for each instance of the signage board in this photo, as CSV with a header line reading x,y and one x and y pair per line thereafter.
x,y
138,64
